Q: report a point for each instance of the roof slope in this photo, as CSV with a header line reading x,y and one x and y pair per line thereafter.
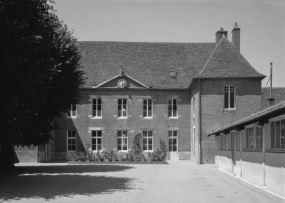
x,y
278,93
149,63
227,61
277,109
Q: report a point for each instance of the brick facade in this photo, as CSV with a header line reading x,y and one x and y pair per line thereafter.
x,y
160,124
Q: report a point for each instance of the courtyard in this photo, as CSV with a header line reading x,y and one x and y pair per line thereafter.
x,y
179,181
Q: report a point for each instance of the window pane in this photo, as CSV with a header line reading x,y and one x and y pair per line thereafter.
x,y
144,141
174,148
232,100
124,102
170,148
100,147
94,141
99,141
174,141
170,141
119,141
93,147
175,133
119,101
282,133
150,141
144,147
278,134
119,133
99,133
150,113
174,113
150,133
119,147
125,147
149,147
226,100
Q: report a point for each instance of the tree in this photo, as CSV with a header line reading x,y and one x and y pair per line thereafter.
x,y
40,73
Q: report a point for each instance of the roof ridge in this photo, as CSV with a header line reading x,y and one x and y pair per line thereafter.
x,y
136,42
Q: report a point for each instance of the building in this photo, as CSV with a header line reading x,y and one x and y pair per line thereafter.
x,y
253,148
177,92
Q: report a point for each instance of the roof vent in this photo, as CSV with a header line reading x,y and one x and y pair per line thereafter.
x,y
173,74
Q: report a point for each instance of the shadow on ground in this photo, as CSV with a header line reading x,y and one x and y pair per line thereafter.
x,y
70,169
50,182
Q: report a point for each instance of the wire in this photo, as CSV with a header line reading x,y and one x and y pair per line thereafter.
x,y
265,86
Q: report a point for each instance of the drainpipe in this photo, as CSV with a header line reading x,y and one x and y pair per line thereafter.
x,y
264,127
271,80
200,125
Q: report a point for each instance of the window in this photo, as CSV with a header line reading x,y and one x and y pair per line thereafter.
x,y
71,140
259,137
122,108
72,112
122,141
147,108
172,108
229,97
231,140
172,135
96,140
249,138
237,141
97,108
278,134
147,140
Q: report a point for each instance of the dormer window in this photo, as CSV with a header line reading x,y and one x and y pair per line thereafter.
x,y
173,74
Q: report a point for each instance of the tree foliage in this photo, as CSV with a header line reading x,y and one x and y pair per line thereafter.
x,y
40,71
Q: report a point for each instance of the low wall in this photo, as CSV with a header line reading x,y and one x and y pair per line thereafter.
x,y
26,154
275,173
251,167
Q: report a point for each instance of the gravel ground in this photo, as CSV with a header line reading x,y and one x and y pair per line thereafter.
x,y
180,181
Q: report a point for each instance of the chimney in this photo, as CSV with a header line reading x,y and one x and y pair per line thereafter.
x,y
219,35
236,37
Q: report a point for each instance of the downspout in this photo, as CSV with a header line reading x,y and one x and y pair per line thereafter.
x,y
200,125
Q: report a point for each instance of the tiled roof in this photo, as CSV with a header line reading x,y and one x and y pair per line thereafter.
x,y
227,61
149,63
265,113
278,93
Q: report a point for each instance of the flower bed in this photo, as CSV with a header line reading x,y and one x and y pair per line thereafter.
x,y
136,155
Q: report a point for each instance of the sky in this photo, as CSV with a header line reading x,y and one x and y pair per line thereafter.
x,y
262,24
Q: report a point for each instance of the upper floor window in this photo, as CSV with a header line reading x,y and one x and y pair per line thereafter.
x,y
278,134
172,108
123,141
97,108
147,141
229,97
96,140
122,107
147,108
72,112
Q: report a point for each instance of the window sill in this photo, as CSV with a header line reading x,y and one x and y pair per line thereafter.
x,y
147,118
96,118
173,117
229,110
147,151
122,117
71,117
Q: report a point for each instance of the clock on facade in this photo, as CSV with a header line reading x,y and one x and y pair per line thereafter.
x,y
122,83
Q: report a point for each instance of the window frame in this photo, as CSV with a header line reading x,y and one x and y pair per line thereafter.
x,y
96,104
147,138
121,106
71,138
171,105
147,107
96,137
228,93
122,138
274,120
69,113
171,137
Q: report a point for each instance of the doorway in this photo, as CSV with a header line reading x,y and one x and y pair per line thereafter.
x,y
173,145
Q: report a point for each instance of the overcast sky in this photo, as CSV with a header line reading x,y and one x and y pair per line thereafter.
x,y
262,25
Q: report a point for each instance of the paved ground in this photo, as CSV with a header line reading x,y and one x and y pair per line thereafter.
x,y
181,181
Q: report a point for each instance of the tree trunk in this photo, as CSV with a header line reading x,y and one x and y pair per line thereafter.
x,y
7,155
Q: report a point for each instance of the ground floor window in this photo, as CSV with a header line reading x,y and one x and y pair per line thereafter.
x,y
249,137
172,135
147,140
96,140
237,141
122,140
278,134
71,140
259,138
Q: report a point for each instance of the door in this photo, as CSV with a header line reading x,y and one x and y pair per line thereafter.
x,y
173,145
71,143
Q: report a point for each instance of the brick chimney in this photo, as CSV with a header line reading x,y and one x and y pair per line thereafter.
x,y
219,35
236,37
